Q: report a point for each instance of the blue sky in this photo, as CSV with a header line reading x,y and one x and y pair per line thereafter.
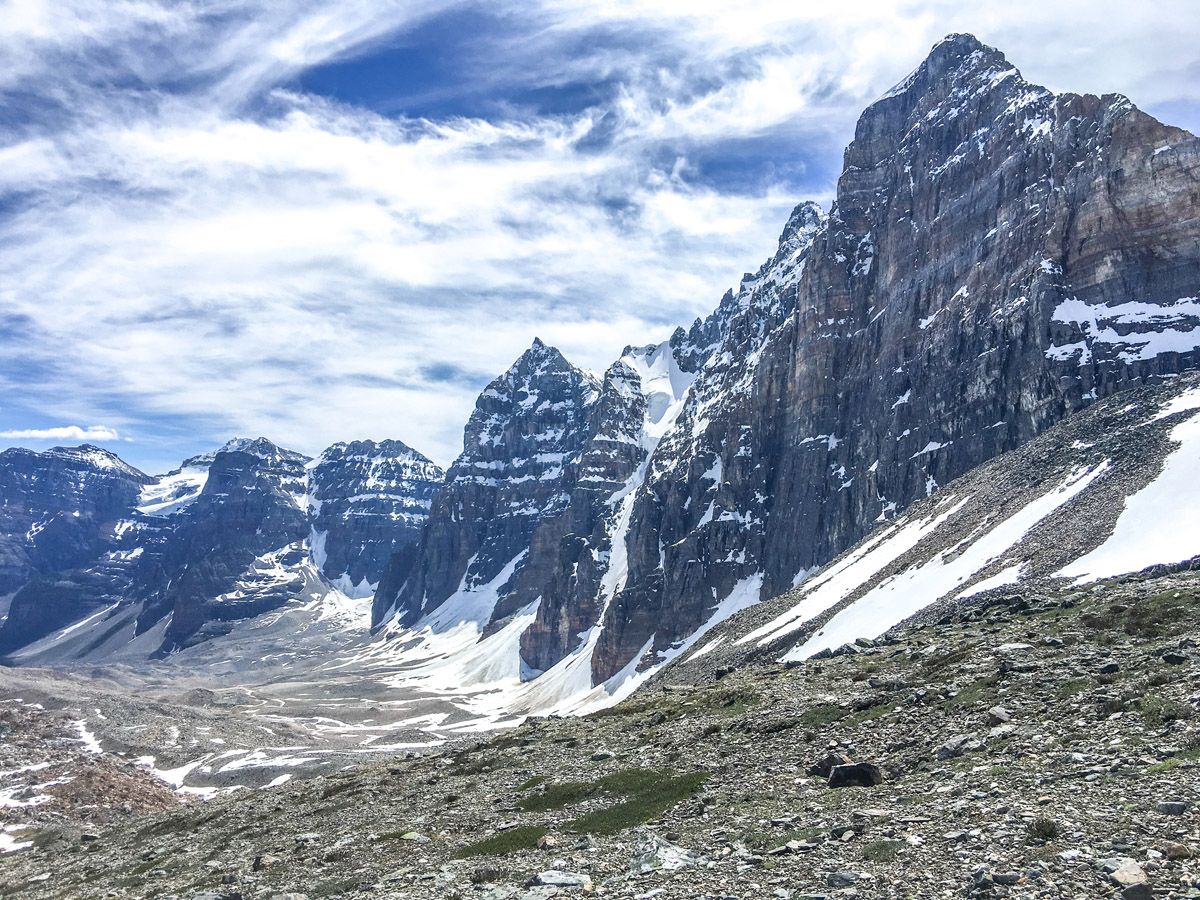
x,y
327,221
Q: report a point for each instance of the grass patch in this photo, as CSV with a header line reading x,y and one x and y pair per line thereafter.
x,y
822,714
556,796
645,795
511,841
1072,688
1160,710
333,887
975,692
1041,830
651,797
882,851
878,711
1179,759
530,783
769,840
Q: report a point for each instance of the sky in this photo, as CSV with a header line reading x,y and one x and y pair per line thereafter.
x,y
320,222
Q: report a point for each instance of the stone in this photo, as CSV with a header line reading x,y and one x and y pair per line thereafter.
x,y
560,879
860,774
998,715
842,879
652,854
958,745
1127,874
1173,850
822,767
1172,807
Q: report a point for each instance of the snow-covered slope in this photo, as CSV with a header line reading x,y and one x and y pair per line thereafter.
x,y
1110,492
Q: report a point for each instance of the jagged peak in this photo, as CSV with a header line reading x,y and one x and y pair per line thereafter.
x,y
261,447
365,447
96,457
962,56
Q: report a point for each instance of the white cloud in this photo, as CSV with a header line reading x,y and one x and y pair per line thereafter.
x,y
62,433
213,244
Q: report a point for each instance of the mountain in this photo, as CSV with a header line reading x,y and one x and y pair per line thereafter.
x,y
58,509
367,500
160,563
1110,493
997,258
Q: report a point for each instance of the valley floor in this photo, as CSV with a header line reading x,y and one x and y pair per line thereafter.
x,y
1043,746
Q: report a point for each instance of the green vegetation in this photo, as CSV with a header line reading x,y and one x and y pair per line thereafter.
x,y
1071,688
556,796
1161,710
1041,830
768,840
645,795
823,714
510,841
1187,757
975,692
648,799
530,783
882,851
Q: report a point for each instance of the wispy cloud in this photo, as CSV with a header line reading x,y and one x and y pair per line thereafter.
x,y
62,433
188,237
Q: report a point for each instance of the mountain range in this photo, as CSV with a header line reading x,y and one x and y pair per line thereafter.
x,y
998,262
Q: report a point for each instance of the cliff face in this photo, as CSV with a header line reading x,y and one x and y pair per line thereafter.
x,y
367,501
526,426
997,257
226,536
58,509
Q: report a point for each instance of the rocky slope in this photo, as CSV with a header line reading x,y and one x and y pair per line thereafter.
x,y
998,257
1041,748
147,565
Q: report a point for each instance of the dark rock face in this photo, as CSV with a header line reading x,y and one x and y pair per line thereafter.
x,y
58,509
224,537
998,256
367,501
527,425
253,503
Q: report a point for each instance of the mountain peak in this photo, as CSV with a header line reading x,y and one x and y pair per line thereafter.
x,y
963,57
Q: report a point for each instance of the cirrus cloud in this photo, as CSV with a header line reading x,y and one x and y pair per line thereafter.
x,y
272,219
62,433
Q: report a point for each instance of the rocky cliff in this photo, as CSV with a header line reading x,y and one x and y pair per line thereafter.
x,y
367,501
997,257
173,560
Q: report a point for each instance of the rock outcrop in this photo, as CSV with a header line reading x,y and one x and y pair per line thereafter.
x,y
367,501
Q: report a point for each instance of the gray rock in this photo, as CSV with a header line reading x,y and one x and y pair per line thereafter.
x,y
860,774
959,745
1172,807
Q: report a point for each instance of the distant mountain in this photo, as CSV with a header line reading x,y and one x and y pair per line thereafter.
x,y
172,560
